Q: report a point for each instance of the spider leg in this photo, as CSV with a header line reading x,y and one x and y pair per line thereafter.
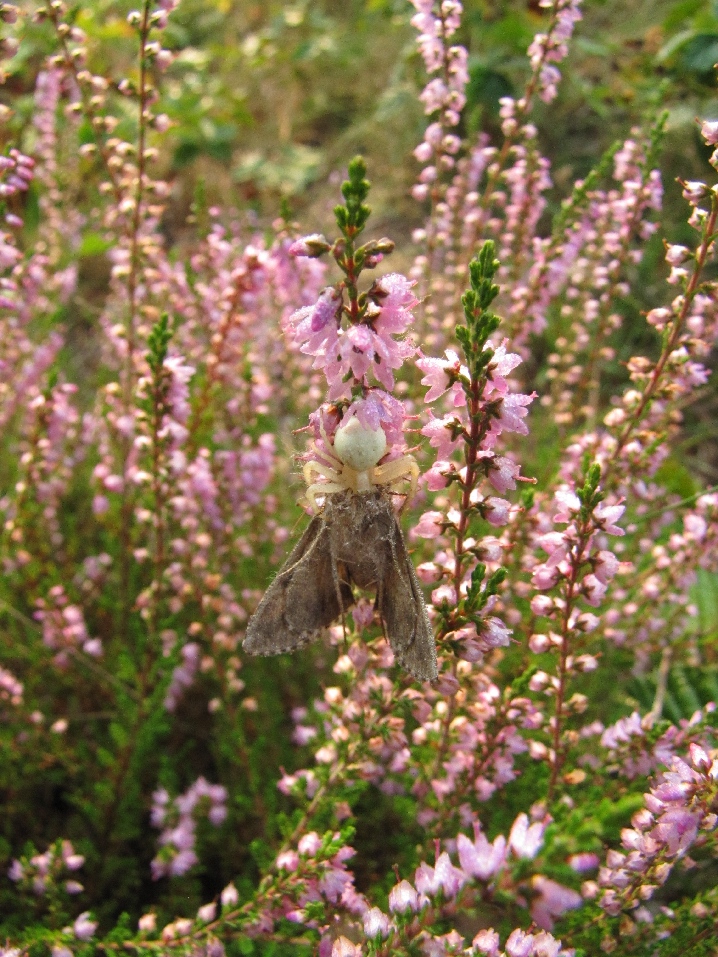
x,y
326,454
391,473
320,488
330,453
319,468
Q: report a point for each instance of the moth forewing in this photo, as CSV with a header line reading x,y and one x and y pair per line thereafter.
x,y
356,540
305,597
404,615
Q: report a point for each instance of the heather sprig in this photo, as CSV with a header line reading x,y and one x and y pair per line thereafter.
x,y
355,341
484,408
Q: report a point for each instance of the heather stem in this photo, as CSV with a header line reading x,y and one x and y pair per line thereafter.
x,y
558,755
670,342
135,252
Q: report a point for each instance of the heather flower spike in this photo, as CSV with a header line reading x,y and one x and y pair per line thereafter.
x,y
354,539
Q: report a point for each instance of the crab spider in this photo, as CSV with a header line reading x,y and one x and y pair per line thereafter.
x,y
350,464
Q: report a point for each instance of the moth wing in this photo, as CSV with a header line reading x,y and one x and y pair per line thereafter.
x,y
305,597
403,612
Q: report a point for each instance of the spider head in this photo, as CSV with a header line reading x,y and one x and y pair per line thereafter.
x,y
358,447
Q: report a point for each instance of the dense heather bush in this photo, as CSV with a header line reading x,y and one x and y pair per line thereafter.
x,y
163,793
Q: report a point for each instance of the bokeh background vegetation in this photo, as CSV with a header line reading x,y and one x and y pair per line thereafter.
x,y
268,101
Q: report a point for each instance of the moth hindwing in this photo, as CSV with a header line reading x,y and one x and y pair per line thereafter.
x,y
356,540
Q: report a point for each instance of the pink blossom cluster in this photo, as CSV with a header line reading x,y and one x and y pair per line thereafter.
x,y
631,751
352,353
473,755
495,192
437,22
667,571
679,812
436,888
10,688
573,553
504,410
527,180
551,47
482,412
63,627
309,878
183,675
179,818
42,872
607,226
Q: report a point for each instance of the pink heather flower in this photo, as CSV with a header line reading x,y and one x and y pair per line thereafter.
x,y
544,577
511,414
147,923
333,882
437,476
594,590
429,525
607,516
539,643
526,840
554,900
444,876
480,858
545,945
438,431
519,944
358,350
486,942
495,633
403,898
568,505
436,373
363,614
344,948
709,132
309,844
396,302
379,409
423,152
376,923
502,364
503,473
229,896
84,927
542,605
207,912
288,861
677,255
700,760
556,545
325,309
606,566
584,862
308,245
497,511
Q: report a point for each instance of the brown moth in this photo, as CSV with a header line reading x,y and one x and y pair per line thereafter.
x,y
355,540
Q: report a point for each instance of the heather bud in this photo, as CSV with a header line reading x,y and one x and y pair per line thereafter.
x,y
311,246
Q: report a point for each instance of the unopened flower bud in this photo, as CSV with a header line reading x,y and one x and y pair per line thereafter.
x,y
309,246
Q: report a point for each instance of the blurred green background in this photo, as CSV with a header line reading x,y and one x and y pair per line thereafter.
x,y
270,99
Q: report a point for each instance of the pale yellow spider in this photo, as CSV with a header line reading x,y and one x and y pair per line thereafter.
x,y
351,464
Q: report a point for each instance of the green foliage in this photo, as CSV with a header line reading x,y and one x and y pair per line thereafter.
x,y
158,341
352,217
